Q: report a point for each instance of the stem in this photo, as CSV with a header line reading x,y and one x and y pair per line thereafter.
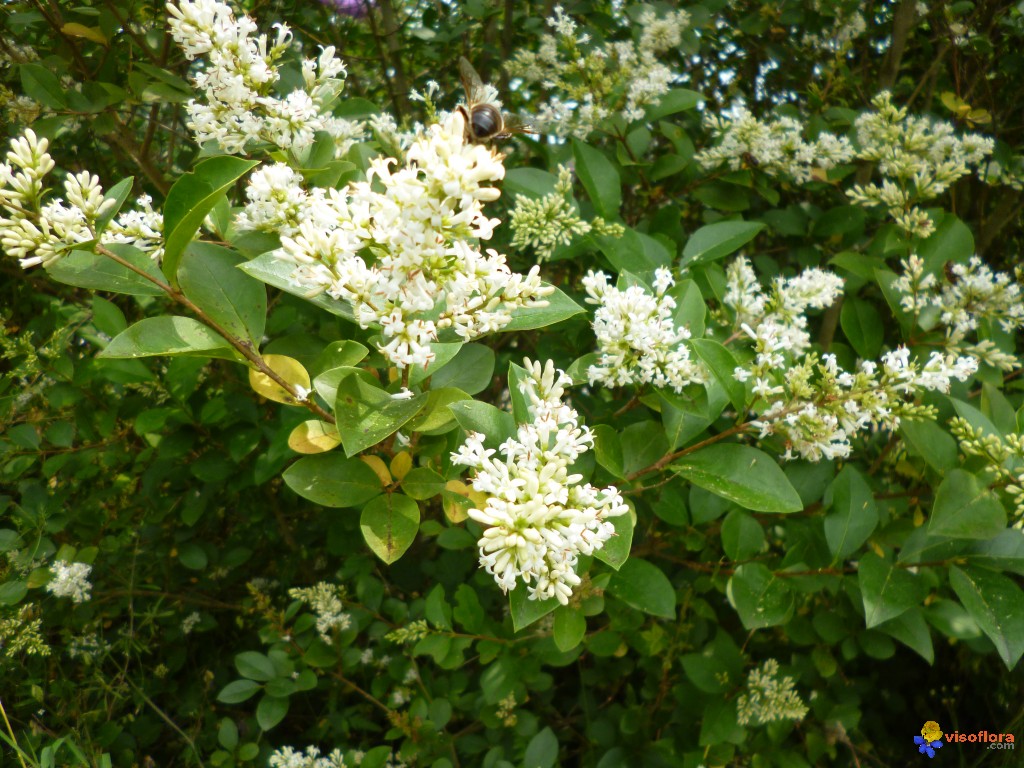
x,y
668,458
14,739
244,348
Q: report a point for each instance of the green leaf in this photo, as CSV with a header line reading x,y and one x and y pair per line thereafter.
x,y
761,598
270,711
676,100
277,272
96,272
529,182
569,628
931,442
238,691
722,364
642,585
559,307
444,353
209,276
171,336
43,86
118,193
608,449
717,668
600,178
542,751
741,474
911,629
366,414
853,516
422,483
951,241
885,590
742,536
997,604
255,666
525,611
965,508
471,370
331,480
474,416
390,524
863,327
192,197
616,550
718,240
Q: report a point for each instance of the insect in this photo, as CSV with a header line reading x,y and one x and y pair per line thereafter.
x,y
484,121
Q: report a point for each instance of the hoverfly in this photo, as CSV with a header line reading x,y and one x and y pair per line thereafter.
x,y
484,121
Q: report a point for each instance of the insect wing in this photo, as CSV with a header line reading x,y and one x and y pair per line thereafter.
x,y
516,124
471,81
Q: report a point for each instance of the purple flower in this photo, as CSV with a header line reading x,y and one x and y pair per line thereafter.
x,y
926,747
357,9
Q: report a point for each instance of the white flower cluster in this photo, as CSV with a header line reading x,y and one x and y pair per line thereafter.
x,y
840,35
287,757
553,220
781,311
591,82
240,105
817,408
972,293
70,580
769,697
637,337
40,233
418,223
324,599
539,518
918,157
776,147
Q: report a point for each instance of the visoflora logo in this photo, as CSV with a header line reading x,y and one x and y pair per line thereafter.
x,y
983,737
930,739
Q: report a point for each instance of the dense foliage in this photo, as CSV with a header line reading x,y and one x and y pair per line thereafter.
x,y
687,430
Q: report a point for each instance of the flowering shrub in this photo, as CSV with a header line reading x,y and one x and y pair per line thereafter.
x,y
686,431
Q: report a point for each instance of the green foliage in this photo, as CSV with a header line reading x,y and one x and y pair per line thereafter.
x,y
283,552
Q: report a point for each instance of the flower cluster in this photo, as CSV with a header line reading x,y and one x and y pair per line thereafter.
x,y
399,246
781,310
637,337
539,518
325,601
776,147
918,157
287,757
553,220
817,408
240,106
39,232
70,580
1003,457
592,82
847,25
22,634
971,294
769,697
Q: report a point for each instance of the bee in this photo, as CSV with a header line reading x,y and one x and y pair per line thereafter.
x,y
484,121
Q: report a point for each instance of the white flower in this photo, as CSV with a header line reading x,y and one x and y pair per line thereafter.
x,y
70,580
538,518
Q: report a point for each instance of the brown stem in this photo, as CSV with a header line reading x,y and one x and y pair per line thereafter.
x,y
668,458
902,23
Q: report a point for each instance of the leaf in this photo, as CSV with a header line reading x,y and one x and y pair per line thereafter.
x,y
542,751
289,369
853,516
390,524
529,182
209,276
74,29
559,307
525,611
569,628
43,86
238,691
676,100
270,711
642,585
965,508
742,536
931,442
169,335
118,193
952,241
253,665
314,436
422,483
276,272
886,591
474,416
718,240
722,364
600,178
192,197
332,480
96,272
911,629
863,327
366,414
741,474
616,550
761,598
997,604
471,370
